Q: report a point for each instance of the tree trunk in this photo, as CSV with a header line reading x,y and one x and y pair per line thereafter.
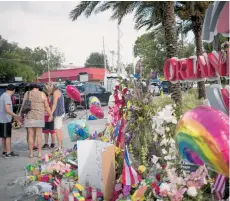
x,y
197,24
169,24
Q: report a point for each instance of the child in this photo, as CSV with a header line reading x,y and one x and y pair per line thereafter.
x,y
49,127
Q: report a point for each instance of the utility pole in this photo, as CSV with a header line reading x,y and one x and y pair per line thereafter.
x,y
104,54
118,50
48,64
112,54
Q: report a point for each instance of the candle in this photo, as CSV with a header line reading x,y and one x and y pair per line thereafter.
x,y
59,192
94,194
84,193
71,198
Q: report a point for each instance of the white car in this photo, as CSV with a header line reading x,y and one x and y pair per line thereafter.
x,y
154,89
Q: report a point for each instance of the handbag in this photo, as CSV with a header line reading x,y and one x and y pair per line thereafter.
x,y
26,106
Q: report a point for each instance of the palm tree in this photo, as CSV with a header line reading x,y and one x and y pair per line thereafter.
x,y
158,12
193,12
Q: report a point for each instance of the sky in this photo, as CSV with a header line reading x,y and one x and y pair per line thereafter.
x,y
45,23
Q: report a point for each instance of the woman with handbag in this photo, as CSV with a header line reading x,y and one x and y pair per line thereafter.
x,y
34,105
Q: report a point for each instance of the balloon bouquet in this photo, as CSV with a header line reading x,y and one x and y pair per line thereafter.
x,y
202,136
77,130
95,109
75,96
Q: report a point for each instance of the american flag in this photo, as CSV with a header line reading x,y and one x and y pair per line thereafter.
x,y
56,182
219,186
129,175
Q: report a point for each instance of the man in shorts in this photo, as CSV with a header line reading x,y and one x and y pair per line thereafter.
x,y
6,114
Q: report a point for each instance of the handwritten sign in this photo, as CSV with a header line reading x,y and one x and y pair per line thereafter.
x,y
90,162
188,167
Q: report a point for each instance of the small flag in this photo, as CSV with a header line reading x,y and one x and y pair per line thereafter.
x,y
129,175
56,182
95,135
219,187
75,147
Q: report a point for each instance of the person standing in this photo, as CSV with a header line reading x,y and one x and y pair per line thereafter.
x,y
58,111
34,119
6,114
49,126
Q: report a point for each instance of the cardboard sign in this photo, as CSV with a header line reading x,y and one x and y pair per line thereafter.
x,y
96,165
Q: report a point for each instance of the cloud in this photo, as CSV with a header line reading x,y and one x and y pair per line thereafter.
x,y
41,24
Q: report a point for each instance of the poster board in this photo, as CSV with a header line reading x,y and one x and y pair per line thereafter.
x,y
108,172
96,165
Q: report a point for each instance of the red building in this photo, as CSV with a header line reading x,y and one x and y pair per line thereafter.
x,y
95,74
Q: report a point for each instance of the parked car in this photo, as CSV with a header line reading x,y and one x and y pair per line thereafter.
x,y
17,98
88,90
164,86
155,89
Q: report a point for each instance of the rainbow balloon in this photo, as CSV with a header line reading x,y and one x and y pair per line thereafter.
x,y
202,137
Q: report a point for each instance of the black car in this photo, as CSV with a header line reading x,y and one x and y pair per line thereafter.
x,y
88,90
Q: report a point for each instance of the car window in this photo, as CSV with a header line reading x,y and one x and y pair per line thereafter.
x,y
2,90
164,83
99,89
93,89
86,89
80,88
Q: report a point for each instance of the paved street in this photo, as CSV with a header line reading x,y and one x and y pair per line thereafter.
x,y
11,169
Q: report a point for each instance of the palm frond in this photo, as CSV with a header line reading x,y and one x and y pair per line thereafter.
x,y
187,27
147,15
86,7
91,8
123,8
104,6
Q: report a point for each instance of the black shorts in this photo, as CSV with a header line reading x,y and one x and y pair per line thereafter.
x,y
5,130
49,128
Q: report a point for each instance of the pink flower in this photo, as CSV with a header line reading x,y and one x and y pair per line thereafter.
x,y
190,184
177,195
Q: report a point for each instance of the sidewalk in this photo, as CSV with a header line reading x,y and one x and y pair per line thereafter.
x,y
13,168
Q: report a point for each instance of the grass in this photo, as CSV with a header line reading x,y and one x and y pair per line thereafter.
x,y
189,101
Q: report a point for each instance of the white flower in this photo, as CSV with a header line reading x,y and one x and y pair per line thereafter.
x,y
167,129
154,159
164,151
160,131
164,187
174,121
192,191
158,166
163,142
167,158
172,142
171,150
174,105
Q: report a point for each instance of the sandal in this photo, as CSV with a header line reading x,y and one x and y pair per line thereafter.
x,y
39,155
31,155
